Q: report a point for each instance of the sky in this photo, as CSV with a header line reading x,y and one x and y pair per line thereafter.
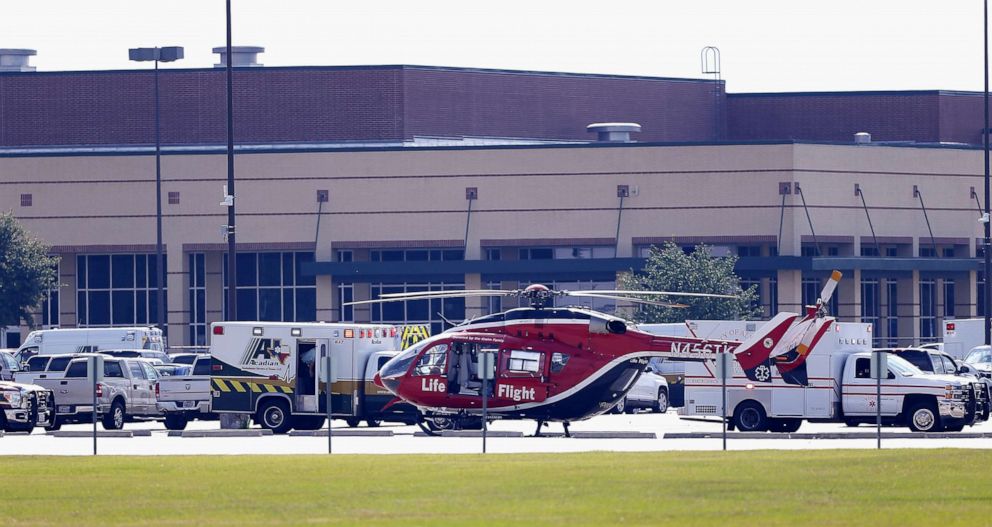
x,y
765,45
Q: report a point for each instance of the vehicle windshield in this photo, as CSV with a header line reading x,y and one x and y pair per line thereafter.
x,y
399,364
979,355
903,367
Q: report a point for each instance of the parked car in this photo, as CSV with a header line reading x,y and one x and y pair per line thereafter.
x,y
980,359
24,406
127,390
185,358
8,366
939,363
46,367
185,397
649,391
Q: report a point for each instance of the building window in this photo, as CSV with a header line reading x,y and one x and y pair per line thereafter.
x,y
271,286
493,304
197,299
173,198
772,296
892,312
927,252
431,312
26,200
871,303
493,254
748,250
809,251
947,252
536,253
948,298
756,282
345,256
117,289
346,293
928,310
416,255
869,251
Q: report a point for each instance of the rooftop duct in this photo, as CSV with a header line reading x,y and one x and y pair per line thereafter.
x,y
244,56
614,132
16,59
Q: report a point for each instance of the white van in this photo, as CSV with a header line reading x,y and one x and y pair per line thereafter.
x,y
83,340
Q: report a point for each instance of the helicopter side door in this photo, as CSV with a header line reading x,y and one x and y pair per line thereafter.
x,y
522,375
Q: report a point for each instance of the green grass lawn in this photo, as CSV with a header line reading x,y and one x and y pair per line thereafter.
x,y
906,487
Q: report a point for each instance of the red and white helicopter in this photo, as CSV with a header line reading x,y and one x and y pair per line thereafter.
x,y
567,363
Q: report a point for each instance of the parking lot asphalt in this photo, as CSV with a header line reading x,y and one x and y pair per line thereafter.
x,y
634,433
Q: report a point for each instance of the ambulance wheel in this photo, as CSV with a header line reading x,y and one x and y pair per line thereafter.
x,y
785,425
373,423
274,415
750,417
176,421
955,428
309,422
851,422
352,422
923,417
114,419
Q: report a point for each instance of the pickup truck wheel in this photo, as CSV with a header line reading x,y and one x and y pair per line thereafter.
x,y
176,421
923,417
851,422
373,423
352,422
309,422
750,417
955,428
56,424
661,405
114,419
274,415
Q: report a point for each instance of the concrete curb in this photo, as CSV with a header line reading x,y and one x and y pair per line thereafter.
x,y
220,433
614,435
99,433
829,435
343,433
478,433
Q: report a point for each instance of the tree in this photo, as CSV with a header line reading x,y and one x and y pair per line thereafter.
x,y
671,269
27,272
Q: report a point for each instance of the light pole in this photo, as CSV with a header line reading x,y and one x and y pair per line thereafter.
x,y
987,290
165,54
232,264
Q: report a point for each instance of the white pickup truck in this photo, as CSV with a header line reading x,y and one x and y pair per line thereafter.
x,y
183,398
126,390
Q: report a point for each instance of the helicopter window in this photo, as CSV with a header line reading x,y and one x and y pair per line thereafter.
x,y
433,362
558,362
524,361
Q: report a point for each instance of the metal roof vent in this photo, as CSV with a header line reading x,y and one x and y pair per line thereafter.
x,y
244,56
16,59
862,138
614,132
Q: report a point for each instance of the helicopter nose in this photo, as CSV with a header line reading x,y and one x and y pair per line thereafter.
x,y
390,383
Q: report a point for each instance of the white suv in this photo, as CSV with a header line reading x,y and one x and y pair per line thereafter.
x,y
650,391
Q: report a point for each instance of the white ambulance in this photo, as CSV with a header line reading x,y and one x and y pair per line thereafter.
x,y
84,340
960,336
835,385
274,371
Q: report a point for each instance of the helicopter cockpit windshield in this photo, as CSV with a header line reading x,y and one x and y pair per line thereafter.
x,y
399,364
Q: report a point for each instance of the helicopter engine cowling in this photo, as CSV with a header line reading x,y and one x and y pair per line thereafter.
x,y
603,326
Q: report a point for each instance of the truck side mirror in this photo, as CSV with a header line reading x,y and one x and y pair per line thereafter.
x,y
964,368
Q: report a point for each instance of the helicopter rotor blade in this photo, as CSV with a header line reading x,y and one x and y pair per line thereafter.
x,y
448,292
829,287
627,299
650,293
